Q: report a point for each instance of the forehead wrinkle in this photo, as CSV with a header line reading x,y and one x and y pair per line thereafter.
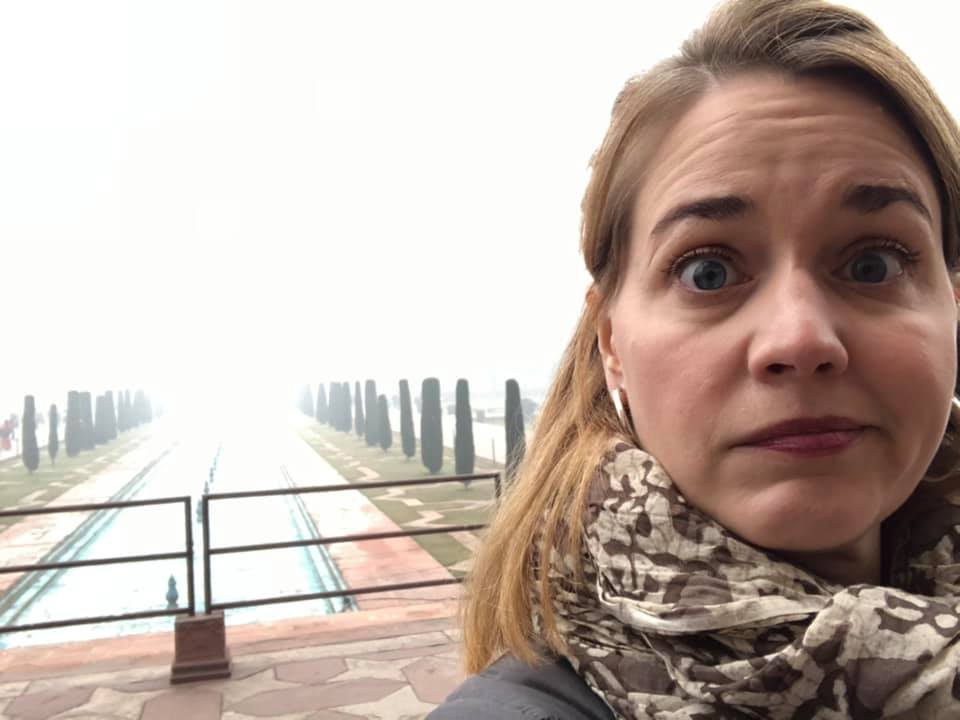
x,y
709,151
712,121
788,153
717,166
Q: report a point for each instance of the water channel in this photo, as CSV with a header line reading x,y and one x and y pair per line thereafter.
x,y
236,464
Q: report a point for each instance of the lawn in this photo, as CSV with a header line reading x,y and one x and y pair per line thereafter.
x,y
455,503
21,488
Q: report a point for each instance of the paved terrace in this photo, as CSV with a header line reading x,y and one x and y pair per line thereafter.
x,y
395,658
392,664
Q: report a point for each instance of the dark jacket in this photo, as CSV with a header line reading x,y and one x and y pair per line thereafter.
x,y
512,690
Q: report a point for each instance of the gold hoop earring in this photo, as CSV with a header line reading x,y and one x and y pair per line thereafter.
x,y
620,404
617,404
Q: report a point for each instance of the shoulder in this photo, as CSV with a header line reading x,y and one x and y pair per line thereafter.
x,y
513,690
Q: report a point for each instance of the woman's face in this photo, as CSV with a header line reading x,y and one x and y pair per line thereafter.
x,y
785,265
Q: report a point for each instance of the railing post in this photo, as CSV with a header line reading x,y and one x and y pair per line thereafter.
x,y
207,582
200,641
200,649
188,526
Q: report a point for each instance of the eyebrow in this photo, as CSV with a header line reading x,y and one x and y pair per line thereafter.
x,y
865,199
873,198
723,207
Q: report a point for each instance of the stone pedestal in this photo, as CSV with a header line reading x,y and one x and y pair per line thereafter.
x,y
200,648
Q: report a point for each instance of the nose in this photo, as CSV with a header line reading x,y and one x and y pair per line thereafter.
x,y
796,331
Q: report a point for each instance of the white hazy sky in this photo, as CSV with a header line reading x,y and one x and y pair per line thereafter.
x,y
225,194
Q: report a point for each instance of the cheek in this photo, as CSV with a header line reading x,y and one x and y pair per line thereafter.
x,y
913,367
676,379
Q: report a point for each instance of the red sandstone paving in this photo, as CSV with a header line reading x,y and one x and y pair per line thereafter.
x,y
308,672
43,705
195,704
433,678
302,699
280,649
410,652
156,649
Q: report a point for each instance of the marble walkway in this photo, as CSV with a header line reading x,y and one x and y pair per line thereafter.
x,y
390,664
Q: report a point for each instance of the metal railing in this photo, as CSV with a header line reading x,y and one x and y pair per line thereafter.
x,y
208,551
186,554
360,537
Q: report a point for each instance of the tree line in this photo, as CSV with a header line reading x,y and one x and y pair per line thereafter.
x,y
88,423
367,414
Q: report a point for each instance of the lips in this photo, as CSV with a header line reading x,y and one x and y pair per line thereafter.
x,y
803,426
807,436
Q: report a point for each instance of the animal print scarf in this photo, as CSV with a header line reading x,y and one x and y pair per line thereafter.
x,y
676,617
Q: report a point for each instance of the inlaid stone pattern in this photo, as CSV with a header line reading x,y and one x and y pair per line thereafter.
x,y
379,677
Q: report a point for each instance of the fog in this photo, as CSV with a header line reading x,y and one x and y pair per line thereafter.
x,y
203,197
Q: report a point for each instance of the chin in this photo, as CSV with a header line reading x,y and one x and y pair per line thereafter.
x,y
820,528
811,538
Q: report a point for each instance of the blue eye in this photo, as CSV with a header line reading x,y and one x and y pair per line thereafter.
x,y
876,266
707,274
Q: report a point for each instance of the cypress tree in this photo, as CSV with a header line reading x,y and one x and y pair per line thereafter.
x,y
336,414
140,407
121,412
30,451
100,422
103,419
87,435
124,411
127,410
323,412
407,438
53,440
132,421
385,432
371,407
97,419
125,404
341,410
463,447
516,441
345,407
332,407
111,416
73,426
306,401
359,423
134,407
81,421
431,426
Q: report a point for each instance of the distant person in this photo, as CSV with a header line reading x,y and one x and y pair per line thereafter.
x,y
6,433
730,506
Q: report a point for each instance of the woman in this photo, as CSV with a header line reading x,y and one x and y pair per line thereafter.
x,y
728,509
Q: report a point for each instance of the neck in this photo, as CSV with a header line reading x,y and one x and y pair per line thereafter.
x,y
858,562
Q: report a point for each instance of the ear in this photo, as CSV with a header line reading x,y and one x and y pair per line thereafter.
x,y
606,344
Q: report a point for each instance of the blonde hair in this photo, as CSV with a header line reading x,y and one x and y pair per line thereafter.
x,y
543,507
